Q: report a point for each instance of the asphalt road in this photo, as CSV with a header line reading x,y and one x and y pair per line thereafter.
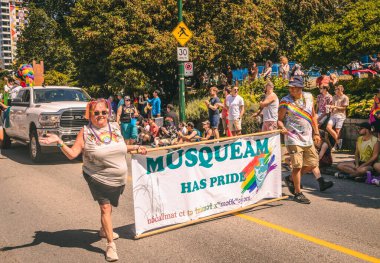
x,y
48,215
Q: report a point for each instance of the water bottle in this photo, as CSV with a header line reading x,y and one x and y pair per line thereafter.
x,y
369,178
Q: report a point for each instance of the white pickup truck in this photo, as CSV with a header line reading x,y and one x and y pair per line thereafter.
x,y
41,110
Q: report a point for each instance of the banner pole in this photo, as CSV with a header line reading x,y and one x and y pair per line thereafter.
x,y
169,228
208,141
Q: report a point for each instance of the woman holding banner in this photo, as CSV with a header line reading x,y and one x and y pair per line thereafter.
x,y
104,163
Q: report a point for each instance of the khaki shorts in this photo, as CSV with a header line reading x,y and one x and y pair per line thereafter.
x,y
301,156
234,125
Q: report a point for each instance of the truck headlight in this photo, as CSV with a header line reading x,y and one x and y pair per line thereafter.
x,y
49,119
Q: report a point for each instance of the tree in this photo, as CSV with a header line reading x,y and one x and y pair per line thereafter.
x,y
40,40
298,17
114,39
352,35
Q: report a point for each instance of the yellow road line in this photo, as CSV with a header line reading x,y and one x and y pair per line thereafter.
x,y
311,239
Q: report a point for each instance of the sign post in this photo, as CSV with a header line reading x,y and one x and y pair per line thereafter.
x,y
183,34
189,69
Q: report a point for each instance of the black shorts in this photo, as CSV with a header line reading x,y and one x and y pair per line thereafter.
x,y
102,193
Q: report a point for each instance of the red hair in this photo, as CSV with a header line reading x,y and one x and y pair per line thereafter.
x,y
92,104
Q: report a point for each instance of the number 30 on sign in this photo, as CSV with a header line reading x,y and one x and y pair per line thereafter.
x,y
183,53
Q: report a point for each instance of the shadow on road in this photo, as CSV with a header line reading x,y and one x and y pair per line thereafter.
x,y
74,238
346,191
78,238
20,154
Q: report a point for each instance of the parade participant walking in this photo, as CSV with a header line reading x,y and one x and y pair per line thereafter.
x,y
338,108
156,104
298,121
269,108
104,164
324,99
235,106
126,116
213,111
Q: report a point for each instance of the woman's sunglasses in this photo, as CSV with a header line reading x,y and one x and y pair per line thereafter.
x,y
103,112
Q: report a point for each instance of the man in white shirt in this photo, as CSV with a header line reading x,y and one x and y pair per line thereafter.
x,y
15,89
235,106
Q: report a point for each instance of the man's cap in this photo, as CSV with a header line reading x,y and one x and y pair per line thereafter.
x,y
127,98
296,81
120,94
206,122
190,124
364,125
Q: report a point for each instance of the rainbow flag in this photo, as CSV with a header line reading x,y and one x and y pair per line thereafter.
x,y
252,179
300,113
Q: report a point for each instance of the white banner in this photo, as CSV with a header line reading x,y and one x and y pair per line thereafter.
x,y
202,180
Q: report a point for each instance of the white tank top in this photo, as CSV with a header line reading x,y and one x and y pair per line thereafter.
x,y
270,112
105,158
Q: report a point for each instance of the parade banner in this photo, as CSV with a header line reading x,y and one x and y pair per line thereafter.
x,y
202,180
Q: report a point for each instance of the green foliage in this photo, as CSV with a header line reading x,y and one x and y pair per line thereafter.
x,y
40,40
56,78
360,93
196,110
355,33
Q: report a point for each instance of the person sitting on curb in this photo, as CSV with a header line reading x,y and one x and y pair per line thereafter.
x,y
192,134
208,133
366,153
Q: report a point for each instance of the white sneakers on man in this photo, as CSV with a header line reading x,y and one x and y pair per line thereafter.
x,y
102,234
111,253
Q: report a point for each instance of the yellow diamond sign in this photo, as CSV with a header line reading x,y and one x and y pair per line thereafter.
x,y
182,33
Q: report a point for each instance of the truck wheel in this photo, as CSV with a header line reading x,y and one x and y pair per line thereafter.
x,y
34,147
6,144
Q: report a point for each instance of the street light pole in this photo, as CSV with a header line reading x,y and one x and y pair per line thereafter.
x,y
181,75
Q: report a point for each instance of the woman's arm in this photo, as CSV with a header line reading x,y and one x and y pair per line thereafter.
x,y
70,153
118,114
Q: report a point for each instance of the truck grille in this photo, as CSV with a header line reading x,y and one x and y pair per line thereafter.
x,y
73,118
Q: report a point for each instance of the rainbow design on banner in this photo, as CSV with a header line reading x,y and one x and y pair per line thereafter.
x,y
296,111
257,170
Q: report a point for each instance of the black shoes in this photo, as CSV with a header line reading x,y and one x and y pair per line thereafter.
x,y
324,185
300,198
289,184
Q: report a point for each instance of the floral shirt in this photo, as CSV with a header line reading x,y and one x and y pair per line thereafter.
x,y
323,101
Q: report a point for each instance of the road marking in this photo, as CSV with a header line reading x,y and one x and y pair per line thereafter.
x,y
311,239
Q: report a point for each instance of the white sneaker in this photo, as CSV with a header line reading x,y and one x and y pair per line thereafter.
x,y
102,234
111,253
340,143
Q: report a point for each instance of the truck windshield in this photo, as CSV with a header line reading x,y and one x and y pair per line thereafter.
x,y
51,95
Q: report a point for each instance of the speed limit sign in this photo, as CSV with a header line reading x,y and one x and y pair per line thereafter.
x,y
189,70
